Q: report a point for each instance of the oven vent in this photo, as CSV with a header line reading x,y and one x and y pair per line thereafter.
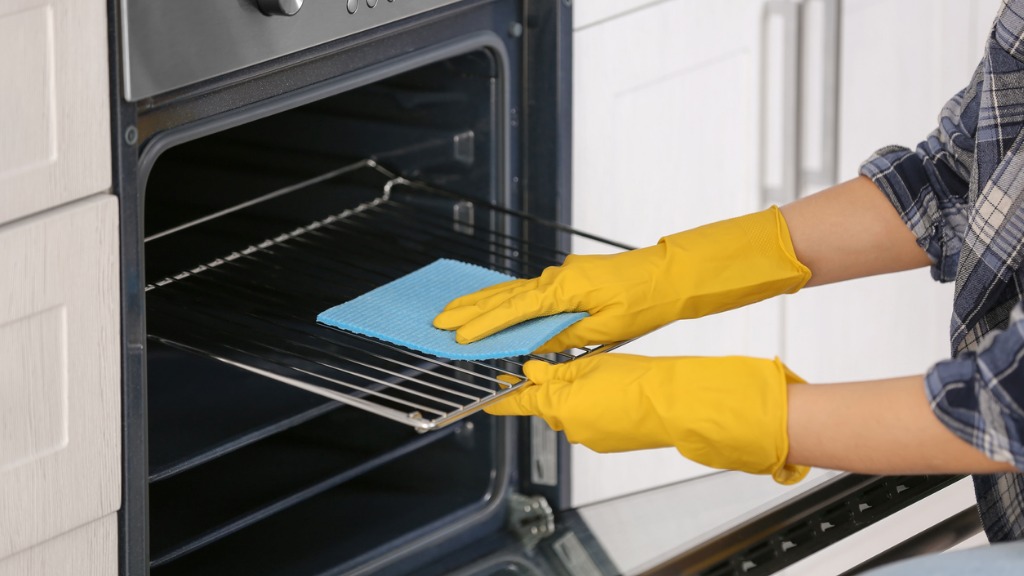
x,y
254,305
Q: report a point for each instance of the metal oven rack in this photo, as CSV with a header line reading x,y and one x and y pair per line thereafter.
x,y
255,307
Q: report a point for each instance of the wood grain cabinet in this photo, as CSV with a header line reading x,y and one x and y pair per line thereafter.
x,y
54,107
60,374
60,443
90,550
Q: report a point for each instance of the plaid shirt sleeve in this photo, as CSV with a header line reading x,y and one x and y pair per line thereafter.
x,y
929,186
979,395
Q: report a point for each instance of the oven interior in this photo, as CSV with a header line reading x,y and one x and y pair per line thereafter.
x,y
250,231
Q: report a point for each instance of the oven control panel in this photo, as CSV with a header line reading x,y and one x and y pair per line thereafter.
x,y
172,44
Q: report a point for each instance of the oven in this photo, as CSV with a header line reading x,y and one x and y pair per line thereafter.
x,y
276,157
279,158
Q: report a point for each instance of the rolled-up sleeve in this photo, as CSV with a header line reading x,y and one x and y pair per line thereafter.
x,y
929,186
979,395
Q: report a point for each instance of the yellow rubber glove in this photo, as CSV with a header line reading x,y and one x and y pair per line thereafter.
x,y
728,412
709,269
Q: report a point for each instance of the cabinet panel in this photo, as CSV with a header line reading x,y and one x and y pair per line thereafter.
x,y
893,87
54,126
866,329
666,130
589,12
87,551
665,137
59,372
34,349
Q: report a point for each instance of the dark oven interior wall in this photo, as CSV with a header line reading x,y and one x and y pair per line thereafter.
x,y
451,122
248,475
438,124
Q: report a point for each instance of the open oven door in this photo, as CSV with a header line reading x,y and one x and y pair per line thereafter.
x,y
734,523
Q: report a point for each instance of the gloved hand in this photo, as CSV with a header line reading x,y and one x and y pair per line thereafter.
x,y
728,412
709,269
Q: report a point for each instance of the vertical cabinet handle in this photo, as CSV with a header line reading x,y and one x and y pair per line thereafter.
x,y
780,102
819,93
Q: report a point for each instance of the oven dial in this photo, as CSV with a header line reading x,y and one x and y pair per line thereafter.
x,y
279,7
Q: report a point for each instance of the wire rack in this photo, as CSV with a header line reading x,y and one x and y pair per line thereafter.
x,y
255,306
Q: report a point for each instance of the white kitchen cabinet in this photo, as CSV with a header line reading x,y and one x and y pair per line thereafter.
x,y
900,61
589,12
667,124
90,550
54,111
60,377
666,138
60,445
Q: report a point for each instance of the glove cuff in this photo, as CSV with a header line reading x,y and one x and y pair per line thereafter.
x,y
728,412
802,274
785,473
733,263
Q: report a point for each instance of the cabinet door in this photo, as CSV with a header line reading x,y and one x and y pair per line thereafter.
x,y
891,89
589,12
54,109
87,551
893,86
666,130
60,388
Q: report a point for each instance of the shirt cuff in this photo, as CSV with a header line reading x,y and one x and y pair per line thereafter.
x,y
903,176
975,404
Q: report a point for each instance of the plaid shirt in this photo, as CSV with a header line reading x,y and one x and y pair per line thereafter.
x,y
962,194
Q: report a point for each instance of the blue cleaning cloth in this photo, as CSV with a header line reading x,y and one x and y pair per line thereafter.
x,y
402,312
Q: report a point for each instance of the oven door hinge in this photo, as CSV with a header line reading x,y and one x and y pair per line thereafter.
x,y
530,518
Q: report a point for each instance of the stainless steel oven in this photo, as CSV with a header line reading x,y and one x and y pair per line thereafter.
x,y
276,157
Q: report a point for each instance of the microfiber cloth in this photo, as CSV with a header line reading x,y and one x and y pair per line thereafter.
x,y
402,312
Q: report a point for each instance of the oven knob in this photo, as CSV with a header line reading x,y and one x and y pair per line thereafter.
x,y
279,7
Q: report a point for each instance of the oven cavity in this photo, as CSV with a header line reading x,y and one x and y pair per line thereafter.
x,y
252,230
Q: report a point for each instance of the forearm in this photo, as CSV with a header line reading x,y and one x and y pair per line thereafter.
x,y
877,427
850,231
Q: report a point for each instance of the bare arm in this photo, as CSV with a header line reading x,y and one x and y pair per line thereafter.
x,y
850,231
877,427
880,427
